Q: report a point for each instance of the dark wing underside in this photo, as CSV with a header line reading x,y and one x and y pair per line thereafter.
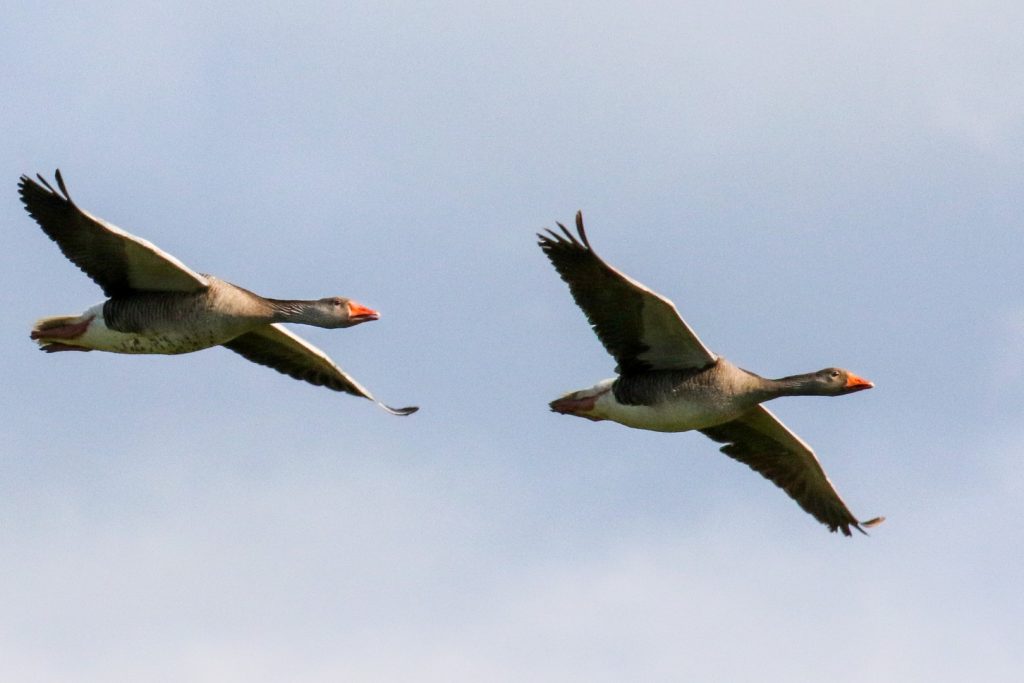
x,y
277,348
640,329
759,440
117,261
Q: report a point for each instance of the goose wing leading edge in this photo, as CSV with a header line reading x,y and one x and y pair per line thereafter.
x,y
641,329
117,261
759,440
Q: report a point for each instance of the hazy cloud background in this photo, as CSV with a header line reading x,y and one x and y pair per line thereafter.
x,y
811,185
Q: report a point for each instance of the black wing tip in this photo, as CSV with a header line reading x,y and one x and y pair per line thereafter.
x,y
401,412
550,239
580,230
62,186
858,525
27,184
547,239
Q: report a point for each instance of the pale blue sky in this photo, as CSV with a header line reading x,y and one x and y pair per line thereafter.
x,y
811,185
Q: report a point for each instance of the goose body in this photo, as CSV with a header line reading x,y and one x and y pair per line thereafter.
x,y
668,400
669,381
159,323
157,305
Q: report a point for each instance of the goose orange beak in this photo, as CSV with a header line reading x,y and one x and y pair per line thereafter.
x,y
357,313
855,383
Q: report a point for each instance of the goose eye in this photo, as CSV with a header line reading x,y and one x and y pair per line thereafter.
x,y
834,374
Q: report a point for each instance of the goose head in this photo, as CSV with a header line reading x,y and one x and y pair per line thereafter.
x,y
329,312
346,313
832,382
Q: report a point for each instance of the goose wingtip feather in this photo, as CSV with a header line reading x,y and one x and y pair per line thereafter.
x,y
401,412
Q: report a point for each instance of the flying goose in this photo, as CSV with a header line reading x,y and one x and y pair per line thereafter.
x,y
669,381
157,304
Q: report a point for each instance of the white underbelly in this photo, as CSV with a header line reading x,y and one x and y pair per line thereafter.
x,y
101,338
674,416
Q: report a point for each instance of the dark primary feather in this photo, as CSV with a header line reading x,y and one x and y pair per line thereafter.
x,y
277,348
118,262
639,328
757,440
